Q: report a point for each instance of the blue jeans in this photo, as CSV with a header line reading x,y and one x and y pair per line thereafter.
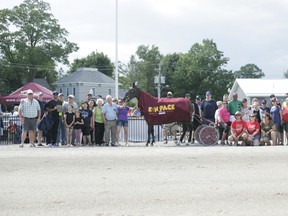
x,y
61,134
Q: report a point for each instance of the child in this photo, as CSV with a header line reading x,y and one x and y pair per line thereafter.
x,y
79,122
12,131
87,115
69,119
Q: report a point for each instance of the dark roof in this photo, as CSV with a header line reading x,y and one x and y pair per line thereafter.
x,y
42,82
85,75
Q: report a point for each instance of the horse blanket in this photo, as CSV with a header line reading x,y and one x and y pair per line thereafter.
x,y
164,110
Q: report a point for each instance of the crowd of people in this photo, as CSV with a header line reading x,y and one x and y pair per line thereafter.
x,y
62,123
242,124
237,122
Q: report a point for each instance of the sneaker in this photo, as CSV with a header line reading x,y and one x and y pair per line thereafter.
x,y
40,145
49,145
126,144
32,145
176,142
21,145
165,141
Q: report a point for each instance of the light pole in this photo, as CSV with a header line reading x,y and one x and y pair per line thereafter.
x,y
116,52
158,80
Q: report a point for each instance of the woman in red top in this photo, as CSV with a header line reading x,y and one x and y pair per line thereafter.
x,y
253,130
238,130
285,118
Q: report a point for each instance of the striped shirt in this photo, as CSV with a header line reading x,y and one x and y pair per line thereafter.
x,y
29,109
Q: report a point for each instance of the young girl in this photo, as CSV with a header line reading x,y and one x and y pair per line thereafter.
x,y
69,119
79,122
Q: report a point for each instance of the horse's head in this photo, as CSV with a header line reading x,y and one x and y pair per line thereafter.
x,y
132,93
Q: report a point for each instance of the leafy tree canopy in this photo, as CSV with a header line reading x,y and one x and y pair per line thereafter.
x,y
31,43
202,69
94,60
249,71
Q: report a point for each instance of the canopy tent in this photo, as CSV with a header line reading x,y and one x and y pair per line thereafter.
x,y
21,93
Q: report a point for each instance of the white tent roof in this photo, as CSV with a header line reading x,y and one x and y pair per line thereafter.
x,y
260,87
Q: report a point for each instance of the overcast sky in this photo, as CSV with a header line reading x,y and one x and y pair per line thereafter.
x,y
247,31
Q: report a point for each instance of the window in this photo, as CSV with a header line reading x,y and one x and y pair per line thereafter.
x,y
67,92
60,90
94,92
74,91
109,91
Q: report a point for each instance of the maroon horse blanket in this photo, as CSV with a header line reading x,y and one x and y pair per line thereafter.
x,y
164,110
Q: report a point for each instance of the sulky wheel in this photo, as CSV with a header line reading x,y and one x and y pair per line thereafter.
x,y
197,132
208,135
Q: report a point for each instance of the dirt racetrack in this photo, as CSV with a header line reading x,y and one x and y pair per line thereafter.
x,y
138,180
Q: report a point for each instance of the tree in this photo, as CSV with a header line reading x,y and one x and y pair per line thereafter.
x,y
144,69
249,71
32,42
200,70
94,60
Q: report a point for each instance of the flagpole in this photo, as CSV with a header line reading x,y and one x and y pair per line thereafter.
x,y
116,53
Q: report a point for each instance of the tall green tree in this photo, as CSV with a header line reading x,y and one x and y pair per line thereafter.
x,y
249,71
143,67
32,42
201,69
94,60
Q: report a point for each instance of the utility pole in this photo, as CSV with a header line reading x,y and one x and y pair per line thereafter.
x,y
159,80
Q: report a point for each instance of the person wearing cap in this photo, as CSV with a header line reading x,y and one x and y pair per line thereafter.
x,y
170,127
61,135
253,130
53,107
238,130
188,126
268,130
42,105
208,109
234,105
276,115
29,113
71,101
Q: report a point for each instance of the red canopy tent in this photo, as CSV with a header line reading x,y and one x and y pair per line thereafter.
x,y
16,96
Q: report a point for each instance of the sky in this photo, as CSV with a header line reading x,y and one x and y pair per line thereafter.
x,y
245,31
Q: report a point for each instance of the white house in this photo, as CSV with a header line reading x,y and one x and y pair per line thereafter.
x,y
260,89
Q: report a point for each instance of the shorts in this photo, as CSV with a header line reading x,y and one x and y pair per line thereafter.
x,y
122,123
29,124
171,127
257,137
86,130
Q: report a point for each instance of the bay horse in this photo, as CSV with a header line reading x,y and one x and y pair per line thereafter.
x,y
157,111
